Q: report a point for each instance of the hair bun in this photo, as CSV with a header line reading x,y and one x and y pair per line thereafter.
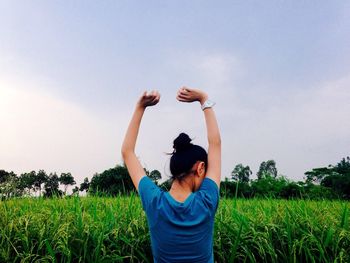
x,y
182,142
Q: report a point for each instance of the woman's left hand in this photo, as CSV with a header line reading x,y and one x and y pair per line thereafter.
x,y
148,99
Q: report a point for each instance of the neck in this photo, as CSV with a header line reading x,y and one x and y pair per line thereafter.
x,y
180,190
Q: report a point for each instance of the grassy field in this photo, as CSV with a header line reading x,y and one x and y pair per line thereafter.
x,y
99,229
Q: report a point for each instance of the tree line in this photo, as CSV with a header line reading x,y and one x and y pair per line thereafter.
x,y
331,182
33,183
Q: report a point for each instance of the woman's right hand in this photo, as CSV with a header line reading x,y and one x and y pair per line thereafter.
x,y
148,99
185,94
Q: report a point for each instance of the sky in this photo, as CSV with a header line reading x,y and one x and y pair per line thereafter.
x,y
72,71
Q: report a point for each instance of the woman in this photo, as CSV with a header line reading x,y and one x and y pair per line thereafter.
x,y
181,221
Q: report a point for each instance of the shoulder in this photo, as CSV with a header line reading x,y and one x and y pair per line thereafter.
x,y
146,185
209,193
209,184
148,191
145,182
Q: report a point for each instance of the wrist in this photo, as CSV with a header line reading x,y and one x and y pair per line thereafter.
x,y
140,107
203,99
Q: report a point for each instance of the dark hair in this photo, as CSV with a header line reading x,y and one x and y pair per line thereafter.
x,y
185,155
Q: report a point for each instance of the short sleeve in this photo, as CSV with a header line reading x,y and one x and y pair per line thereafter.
x,y
210,194
148,191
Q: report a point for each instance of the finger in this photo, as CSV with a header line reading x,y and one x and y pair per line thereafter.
x,y
181,97
154,101
177,93
186,89
180,89
184,94
182,100
150,97
144,94
154,92
154,95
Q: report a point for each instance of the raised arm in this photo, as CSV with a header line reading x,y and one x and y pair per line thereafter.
x,y
214,139
134,166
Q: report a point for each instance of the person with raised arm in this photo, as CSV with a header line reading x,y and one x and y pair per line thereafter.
x,y
180,221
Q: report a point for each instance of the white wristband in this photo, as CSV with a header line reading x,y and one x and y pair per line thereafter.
x,y
208,104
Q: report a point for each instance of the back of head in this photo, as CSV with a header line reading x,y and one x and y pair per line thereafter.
x,y
185,155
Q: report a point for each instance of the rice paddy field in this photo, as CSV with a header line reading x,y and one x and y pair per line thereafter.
x,y
105,229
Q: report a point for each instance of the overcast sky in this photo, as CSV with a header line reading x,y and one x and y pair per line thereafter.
x,y
71,72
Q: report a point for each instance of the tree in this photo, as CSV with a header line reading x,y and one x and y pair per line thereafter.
x,y
85,185
40,178
51,186
27,181
268,186
338,178
155,176
4,176
9,185
317,174
290,190
112,181
266,169
166,185
66,179
75,190
241,173
343,167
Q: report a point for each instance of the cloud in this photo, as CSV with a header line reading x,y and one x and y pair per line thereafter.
x,y
41,131
309,129
300,129
213,71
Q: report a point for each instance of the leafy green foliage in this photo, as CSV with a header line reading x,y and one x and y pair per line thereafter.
x,y
84,186
4,176
332,182
241,173
51,186
112,182
266,230
39,179
336,178
66,179
105,229
267,169
235,189
317,174
9,185
155,175
166,185
75,190
27,181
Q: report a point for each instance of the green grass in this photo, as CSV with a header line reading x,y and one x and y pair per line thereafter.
x,y
101,229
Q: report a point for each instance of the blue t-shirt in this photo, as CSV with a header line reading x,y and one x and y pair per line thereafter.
x,y
180,232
